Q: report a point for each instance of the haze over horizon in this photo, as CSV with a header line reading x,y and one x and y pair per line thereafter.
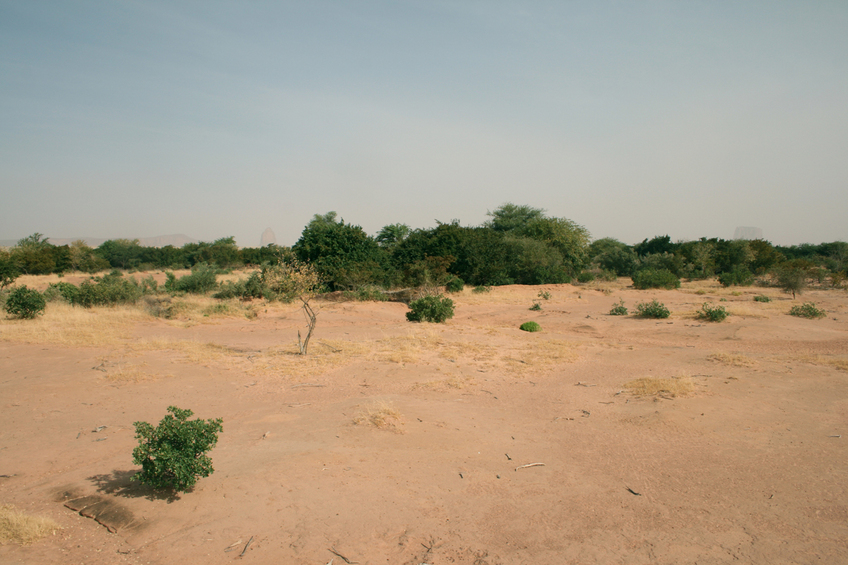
x,y
138,119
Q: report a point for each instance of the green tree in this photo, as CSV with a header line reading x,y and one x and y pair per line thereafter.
x,y
33,255
511,217
612,255
8,270
567,237
121,253
392,234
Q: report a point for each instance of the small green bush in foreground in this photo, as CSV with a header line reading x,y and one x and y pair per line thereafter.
x,y
762,298
25,303
430,309
530,327
807,310
173,454
712,313
652,309
619,309
62,291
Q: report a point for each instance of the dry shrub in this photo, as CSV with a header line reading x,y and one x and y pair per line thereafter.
x,y
381,415
407,348
734,360
66,325
841,364
325,355
17,527
666,388
128,374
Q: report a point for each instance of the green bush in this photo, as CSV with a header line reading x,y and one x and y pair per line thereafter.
x,y
173,454
25,303
585,277
530,327
108,290
544,295
712,313
456,284
655,278
430,309
762,298
62,291
536,307
652,309
245,289
807,310
481,289
201,280
740,276
367,293
619,309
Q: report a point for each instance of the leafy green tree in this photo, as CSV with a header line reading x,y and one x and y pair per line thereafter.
x,y
8,270
511,217
567,237
25,303
222,253
83,258
121,253
764,256
392,234
33,255
612,255
658,244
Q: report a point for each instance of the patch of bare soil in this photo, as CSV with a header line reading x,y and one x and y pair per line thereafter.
x,y
659,441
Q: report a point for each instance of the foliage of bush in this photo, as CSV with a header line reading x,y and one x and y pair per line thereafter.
x,y
762,298
62,291
201,280
367,293
544,295
740,276
655,278
8,271
585,277
244,289
530,327
173,454
25,303
536,307
619,309
430,309
652,309
792,277
481,289
456,284
290,279
712,313
807,310
108,290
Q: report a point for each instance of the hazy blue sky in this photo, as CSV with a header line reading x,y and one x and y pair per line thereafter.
x,y
634,118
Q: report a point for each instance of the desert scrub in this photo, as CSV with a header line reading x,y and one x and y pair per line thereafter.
x,y
544,295
618,309
108,290
712,313
762,298
25,303
652,309
244,289
807,310
536,307
201,280
23,529
381,415
173,454
481,289
651,386
456,284
430,309
655,278
739,276
62,291
530,327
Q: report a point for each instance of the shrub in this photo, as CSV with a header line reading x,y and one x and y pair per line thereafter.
x,y
740,276
655,278
25,303
712,313
762,298
173,454
430,309
367,293
252,287
791,278
62,291
536,307
652,309
530,327
619,309
544,295
290,279
481,289
807,310
201,280
109,290
455,285
585,277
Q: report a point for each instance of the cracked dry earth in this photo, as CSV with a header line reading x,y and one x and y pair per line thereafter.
x,y
405,443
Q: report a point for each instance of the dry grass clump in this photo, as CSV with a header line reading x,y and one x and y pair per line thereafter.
x,y
533,357
325,355
734,360
666,388
381,415
63,324
408,348
841,364
451,383
17,527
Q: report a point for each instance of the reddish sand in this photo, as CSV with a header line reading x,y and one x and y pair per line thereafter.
x,y
750,468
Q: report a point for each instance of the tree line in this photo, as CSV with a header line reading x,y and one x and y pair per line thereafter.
x,y
517,245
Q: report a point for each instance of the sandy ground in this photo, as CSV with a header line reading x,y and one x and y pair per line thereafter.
x,y
751,467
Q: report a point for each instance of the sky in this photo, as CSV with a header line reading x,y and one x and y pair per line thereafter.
x,y
126,119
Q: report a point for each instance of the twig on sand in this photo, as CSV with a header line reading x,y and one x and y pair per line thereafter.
x,y
583,384
232,546
530,465
250,541
330,346
307,384
346,560
631,491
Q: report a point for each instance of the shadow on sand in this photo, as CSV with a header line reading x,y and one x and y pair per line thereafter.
x,y
120,483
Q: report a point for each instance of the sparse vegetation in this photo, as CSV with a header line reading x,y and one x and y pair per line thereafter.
x,y
655,278
544,295
109,290
25,303
618,309
666,388
712,313
481,289
435,309
536,307
733,360
530,327
807,310
201,280
173,454
381,415
652,309
762,298
18,527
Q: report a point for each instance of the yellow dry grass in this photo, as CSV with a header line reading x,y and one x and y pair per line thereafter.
x,y
18,527
381,415
836,362
324,355
66,325
666,388
731,359
451,383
